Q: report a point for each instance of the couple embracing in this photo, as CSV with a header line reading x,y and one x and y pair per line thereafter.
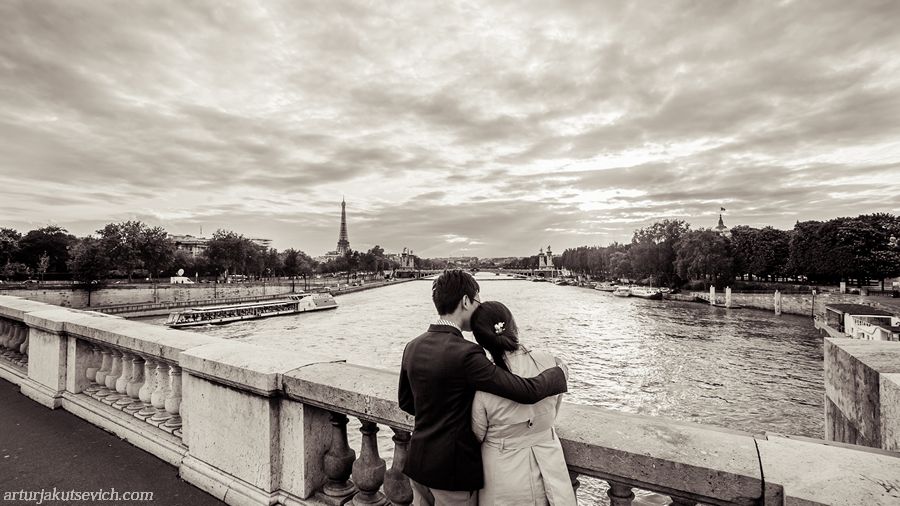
x,y
484,429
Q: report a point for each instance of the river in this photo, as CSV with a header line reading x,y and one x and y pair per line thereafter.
x,y
740,369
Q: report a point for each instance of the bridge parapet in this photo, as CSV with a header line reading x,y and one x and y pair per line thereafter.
x,y
265,426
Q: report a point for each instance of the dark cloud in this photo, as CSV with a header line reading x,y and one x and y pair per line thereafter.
x,y
447,128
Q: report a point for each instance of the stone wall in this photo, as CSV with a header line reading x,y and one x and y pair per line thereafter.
x,y
139,294
862,392
798,304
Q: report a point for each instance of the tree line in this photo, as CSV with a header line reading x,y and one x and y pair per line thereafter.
x,y
132,249
670,253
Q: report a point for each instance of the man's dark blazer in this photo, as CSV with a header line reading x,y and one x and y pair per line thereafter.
x,y
440,374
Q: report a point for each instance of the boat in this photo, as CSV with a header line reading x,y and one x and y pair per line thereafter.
x,y
539,279
606,286
622,291
645,292
292,304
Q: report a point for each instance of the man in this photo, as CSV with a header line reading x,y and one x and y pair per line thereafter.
x,y
439,376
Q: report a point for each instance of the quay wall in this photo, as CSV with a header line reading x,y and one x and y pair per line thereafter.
x,y
794,303
144,294
253,425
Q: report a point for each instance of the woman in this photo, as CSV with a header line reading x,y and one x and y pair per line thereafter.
x,y
523,460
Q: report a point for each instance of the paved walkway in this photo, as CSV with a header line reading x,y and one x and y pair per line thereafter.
x,y
42,449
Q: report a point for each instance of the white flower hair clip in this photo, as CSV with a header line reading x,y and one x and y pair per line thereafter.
x,y
499,327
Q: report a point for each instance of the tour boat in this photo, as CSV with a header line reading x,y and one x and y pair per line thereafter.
x,y
294,303
606,286
646,292
622,291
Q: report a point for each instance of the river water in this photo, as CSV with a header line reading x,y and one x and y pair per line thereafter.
x,y
740,369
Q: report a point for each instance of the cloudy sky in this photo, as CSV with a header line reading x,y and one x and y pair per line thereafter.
x,y
455,128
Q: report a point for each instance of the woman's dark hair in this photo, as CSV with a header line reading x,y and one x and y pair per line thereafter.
x,y
486,321
450,287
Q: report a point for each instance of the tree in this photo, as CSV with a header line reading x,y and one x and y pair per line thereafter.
x,y
52,240
704,254
156,251
652,250
9,245
89,265
123,242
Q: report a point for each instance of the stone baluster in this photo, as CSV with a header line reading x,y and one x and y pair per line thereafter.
x,y
173,401
396,484
338,464
145,394
113,376
369,468
91,372
129,371
573,478
15,341
678,501
5,329
23,360
102,373
159,395
121,399
619,494
133,388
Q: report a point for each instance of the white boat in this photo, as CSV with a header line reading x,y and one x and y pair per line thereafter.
x,y
622,291
606,286
645,292
293,303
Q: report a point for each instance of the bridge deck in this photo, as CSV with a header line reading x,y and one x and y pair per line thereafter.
x,y
43,449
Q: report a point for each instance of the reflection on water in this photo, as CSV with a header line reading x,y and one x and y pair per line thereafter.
x,y
740,369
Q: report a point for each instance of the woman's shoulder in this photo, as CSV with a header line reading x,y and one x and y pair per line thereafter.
x,y
543,358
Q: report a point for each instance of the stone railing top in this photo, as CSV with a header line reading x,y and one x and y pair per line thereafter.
x,y
16,307
352,389
881,356
242,365
807,471
135,336
685,459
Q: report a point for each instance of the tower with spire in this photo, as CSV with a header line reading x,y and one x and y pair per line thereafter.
x,y
343,244
721,229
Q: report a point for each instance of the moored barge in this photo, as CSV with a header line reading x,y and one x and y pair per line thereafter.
x,y
292,304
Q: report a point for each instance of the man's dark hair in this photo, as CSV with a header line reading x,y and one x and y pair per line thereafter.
x,y
450,287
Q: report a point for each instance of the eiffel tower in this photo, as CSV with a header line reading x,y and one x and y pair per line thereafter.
x,y
343,244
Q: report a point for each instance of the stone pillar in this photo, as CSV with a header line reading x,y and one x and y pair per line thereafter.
x,y
105,368
151,380
712,295
130,370
136,384
121,399
777,302
728,297
338,464
90,372
619,494
113,376
573,478
396,485
159,395
173,401
369,469
47,364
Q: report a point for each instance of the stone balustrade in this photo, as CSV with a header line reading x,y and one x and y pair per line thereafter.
x,y
253,425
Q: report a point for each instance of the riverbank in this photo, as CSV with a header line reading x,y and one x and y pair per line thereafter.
x,y
143,301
